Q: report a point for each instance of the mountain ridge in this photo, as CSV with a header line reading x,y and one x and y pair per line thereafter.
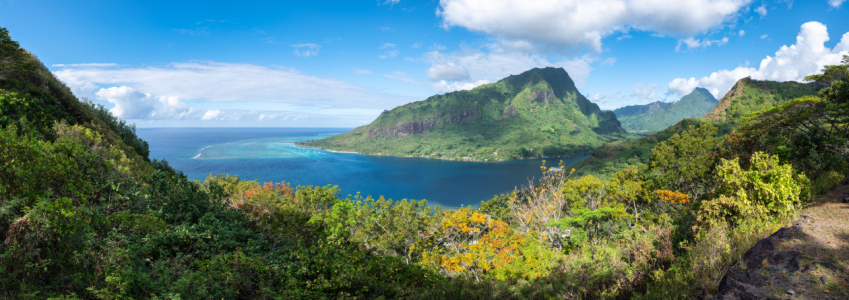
x,y
656,116
538,113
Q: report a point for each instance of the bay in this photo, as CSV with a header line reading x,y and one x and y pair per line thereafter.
x,y
269,154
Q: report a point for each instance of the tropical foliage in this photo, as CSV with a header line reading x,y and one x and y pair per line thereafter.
x,y
84,215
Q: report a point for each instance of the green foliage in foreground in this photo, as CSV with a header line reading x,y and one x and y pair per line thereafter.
x,y
657,116
81,217
538,113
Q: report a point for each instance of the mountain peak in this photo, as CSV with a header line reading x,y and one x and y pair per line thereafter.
x,y
557,78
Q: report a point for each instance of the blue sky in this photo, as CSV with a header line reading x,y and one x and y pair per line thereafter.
x,y
340,63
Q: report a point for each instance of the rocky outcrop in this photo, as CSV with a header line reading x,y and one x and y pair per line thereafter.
x,y
508,112
541,96
420,127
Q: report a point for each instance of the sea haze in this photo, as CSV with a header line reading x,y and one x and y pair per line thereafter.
x,y
268,154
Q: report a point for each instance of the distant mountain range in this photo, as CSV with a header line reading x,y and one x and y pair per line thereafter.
x,y
657,116
539,113
745,96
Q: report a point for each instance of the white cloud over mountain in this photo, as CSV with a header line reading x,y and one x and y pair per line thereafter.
x,y
468,68
586,22
793,62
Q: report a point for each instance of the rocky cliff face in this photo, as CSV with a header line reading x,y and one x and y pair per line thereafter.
x,y
420,127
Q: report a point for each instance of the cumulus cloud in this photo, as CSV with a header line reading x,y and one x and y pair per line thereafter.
x,y
586,22
697,43
794,62
211,114
306,50
447,71
132,104
129,103
490,66
645,91
835,3
742,33
444,87
761,10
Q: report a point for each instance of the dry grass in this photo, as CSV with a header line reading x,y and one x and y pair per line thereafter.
x,y
823,244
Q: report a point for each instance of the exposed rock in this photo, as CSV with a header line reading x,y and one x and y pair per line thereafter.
x,y
542,96
508,112
420,127
791,292
745,283
576,127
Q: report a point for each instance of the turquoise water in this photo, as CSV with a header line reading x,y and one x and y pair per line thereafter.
x,y
269,154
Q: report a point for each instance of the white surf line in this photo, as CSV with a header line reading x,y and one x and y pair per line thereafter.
x,y
204,148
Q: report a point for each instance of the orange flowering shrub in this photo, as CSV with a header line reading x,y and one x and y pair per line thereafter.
x,y
672,197
475,245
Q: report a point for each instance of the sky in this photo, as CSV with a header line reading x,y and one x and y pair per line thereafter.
x,y
341,63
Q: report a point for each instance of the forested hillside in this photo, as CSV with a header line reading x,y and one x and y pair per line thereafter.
x,y
83,215
657,116
539,113
746,96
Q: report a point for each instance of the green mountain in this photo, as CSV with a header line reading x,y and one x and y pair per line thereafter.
x,y
657,116
538,113
747,95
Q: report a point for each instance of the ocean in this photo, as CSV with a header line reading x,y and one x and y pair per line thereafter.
x,y
269,154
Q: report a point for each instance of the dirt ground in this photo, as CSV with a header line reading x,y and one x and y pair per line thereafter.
x,y
821,237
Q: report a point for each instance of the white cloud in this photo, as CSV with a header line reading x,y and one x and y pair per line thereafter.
x,y
129,103
645,91
794,62
697,43
761,10
764,36
223,82
211,114
306,50
835,3
416,45
391,2
586,22
496,64
609,61
444,87
390,51
132,104
448,71
742,33
385,28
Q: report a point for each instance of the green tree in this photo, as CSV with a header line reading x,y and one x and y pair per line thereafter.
x,y
686,162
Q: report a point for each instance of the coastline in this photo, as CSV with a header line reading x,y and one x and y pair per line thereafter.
x,y
462,159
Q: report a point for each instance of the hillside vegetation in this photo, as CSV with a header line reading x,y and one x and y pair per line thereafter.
x,y
84,216
657,116
746,96
538,113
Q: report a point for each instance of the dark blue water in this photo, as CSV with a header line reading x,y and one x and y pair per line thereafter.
x,y
268,154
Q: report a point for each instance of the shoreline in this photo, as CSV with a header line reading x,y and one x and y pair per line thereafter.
x,y
449,159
